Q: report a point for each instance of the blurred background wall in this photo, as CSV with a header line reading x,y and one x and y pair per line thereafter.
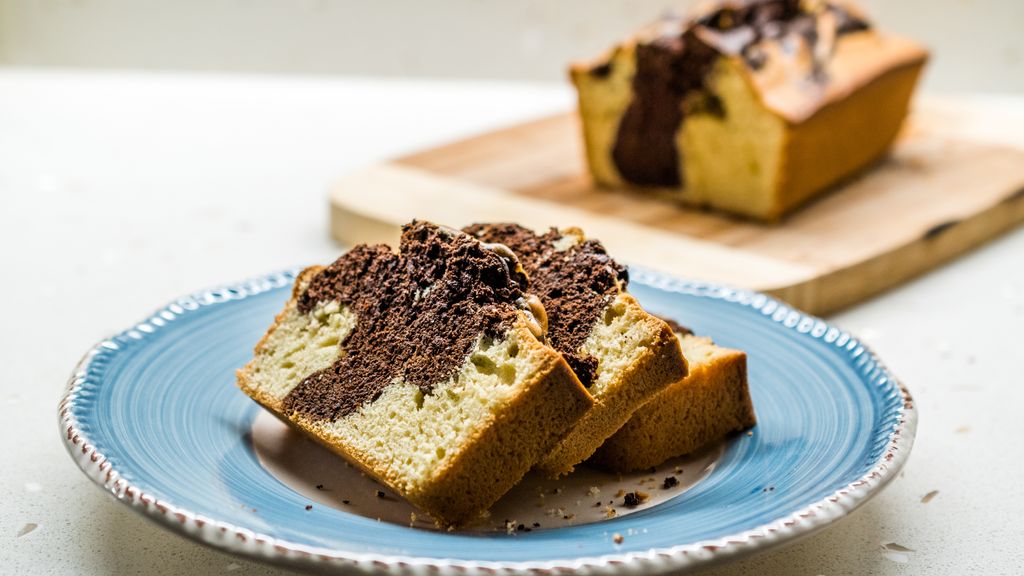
x,y
979,44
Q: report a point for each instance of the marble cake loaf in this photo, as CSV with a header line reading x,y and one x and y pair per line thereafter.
x,y
751,107
424,367
712,401
622,354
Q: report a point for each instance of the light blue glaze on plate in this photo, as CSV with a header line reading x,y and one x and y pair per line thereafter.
x,y
153,416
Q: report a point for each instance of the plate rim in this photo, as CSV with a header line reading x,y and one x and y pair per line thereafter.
x,y
243,542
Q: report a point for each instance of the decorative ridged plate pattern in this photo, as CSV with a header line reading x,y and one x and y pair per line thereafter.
x,y
153,416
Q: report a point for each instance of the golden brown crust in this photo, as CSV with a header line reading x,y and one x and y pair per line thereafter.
x,y
712,401
661,364
843,137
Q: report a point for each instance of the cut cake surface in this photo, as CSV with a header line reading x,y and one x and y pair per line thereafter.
x,y
423,367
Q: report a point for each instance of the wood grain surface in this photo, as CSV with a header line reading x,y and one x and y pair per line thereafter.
x,y
954,180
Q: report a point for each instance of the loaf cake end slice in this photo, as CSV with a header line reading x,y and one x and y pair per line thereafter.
x,y
621,353
423,367
712,401
750,107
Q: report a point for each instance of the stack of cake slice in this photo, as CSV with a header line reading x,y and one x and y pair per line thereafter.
x,y
448,369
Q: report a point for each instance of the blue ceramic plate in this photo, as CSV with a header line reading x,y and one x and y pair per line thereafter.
x,y
153,416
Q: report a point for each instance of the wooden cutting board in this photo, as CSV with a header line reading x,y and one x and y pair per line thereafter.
x,y
954,180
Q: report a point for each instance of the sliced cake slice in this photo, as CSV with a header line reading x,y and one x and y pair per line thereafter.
x,y
423,367
622,354
712,401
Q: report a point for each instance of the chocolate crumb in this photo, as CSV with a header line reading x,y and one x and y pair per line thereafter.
x,y
521,527
536,524
344,501
319,486
618,538
380,494
631,500
670,482
309,506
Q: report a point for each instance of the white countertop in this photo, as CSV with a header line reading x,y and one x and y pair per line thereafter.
x,y
119,192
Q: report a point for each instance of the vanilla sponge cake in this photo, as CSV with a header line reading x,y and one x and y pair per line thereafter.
x,y
712,401
424,367
751,107
622,354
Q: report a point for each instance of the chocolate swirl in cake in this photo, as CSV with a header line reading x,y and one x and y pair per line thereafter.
x,y
574,285
418,314
676,64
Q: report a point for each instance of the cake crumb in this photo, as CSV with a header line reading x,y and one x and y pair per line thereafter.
x,y
593,491
928,497
618,538
750,432
634,499
610,512
620,493
412,518
510,526
669,482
